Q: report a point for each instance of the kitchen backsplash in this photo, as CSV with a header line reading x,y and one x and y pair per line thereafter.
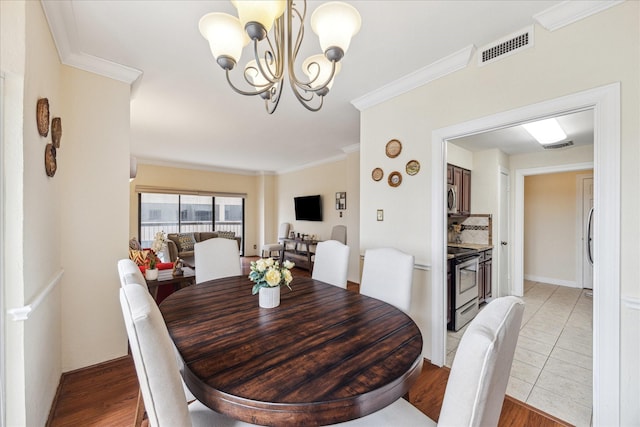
x,y
474,229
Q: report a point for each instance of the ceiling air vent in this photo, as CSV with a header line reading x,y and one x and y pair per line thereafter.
x,y
506,46
557,145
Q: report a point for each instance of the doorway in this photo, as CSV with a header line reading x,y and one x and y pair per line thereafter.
x,y
605,102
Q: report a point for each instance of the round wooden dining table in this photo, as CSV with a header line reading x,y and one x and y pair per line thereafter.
x,y
323,356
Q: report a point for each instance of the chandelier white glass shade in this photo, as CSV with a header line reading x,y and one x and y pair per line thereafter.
x,y
276,30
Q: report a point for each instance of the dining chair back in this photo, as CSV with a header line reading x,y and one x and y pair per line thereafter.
x,y
154,358
388,275
268,248
130,272
479,375
216,258
331,263
480,371
156,367
339,233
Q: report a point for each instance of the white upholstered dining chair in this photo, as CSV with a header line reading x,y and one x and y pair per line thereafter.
x,y
388,275
130,272
156,368
331,263
478,379
216,258
268,248
130,275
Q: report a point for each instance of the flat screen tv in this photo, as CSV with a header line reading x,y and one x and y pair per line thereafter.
x,y
308,208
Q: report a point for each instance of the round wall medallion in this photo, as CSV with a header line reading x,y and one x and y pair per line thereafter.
x,y
56,131
413,167
42,116
395,179
50,163
393,148
377,174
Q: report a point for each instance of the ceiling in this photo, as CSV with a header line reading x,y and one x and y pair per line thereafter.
x,y
516,140
183,112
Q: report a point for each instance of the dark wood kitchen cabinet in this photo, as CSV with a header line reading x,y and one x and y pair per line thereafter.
x,y
484,275
461,178
465,199
449,291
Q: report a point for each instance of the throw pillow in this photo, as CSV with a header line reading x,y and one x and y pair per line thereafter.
x,y
186,240
138,256
134,244
227,234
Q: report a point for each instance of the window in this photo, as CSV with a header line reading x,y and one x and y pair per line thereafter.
x,y
155,214
180,213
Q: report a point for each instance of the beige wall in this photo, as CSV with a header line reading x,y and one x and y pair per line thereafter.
x,y
94,174
553,68
269,197
325,179
71,222
31,207
550,216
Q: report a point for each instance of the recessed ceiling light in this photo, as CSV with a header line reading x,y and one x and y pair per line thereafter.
x,y
545,131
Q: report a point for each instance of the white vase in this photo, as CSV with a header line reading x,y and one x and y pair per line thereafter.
x,y
150,274
269,297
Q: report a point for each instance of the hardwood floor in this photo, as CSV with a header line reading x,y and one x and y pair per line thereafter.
x,y
106,394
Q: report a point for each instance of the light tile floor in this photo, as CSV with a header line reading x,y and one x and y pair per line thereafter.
x,y
552,366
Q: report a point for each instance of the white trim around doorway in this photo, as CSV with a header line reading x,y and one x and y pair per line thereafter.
x,y
605,102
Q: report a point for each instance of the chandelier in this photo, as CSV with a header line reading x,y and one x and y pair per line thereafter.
x,y
335,23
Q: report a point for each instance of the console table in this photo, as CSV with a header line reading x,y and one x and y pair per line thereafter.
x,y
300,252
166,277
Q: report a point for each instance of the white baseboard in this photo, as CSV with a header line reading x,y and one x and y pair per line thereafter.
x,y
553,281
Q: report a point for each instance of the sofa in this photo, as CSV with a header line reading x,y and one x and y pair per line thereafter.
x,y
180,245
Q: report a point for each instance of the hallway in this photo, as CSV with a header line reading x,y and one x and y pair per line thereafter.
x,y
552,367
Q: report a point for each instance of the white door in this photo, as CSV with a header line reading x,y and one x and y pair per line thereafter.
x,y
587,205
503,252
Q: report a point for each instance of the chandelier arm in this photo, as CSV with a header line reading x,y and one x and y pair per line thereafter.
x,y
274,100
267,76
306,102
279,31
294,48
243,92
322,87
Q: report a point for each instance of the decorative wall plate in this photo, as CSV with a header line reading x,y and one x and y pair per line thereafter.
x,y
395,179
393,148
413,167
42,116
56,131
377,174
50,163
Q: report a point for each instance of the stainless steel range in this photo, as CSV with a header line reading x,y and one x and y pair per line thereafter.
x,y
464,289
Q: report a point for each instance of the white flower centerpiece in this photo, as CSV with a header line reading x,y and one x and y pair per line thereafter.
x,y
268,275
159,243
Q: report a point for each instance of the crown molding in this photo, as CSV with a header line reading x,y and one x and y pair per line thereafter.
x,y
313,164
194,166
436,70
568,12
64,30
351,148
